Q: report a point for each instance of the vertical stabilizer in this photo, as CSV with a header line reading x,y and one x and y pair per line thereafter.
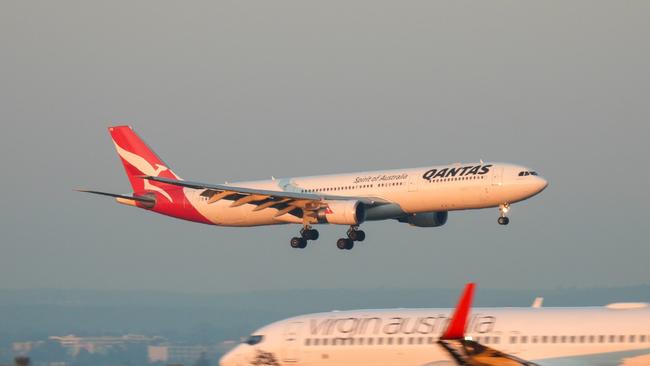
x,y
139,160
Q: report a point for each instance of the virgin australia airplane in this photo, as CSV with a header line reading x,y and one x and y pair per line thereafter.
x,y
421,197
617,334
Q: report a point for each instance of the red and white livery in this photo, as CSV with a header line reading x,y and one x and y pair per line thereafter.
x,y
421,197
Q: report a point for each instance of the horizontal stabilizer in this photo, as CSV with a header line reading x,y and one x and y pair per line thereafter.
x,y
143,199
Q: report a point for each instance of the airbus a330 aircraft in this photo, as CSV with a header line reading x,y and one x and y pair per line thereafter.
x,y
420,197
617,334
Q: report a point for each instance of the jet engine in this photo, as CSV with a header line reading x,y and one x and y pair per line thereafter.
x,y
343,213
426,219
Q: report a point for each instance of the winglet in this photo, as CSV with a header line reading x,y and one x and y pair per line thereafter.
x,y
458,323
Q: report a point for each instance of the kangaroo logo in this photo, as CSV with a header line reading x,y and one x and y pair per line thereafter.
x,y
143,165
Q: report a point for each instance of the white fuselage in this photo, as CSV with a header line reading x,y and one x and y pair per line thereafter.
x,y
409,191
407,337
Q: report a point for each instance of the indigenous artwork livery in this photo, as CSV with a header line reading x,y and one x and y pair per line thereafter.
x,y
420,197
616,334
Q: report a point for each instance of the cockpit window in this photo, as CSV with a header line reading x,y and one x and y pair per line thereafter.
x,y
526,173
253,339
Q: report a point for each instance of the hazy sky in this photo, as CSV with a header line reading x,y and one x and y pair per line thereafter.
x,y
228,90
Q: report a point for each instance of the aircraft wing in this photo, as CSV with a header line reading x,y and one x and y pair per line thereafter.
x,y
285,201
467,352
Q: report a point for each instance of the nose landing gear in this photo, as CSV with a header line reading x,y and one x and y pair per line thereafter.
x,y
306,233
503,210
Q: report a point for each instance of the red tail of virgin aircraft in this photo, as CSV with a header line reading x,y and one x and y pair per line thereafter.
x,y
421,197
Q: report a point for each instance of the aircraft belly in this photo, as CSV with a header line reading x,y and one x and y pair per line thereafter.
x,y
379,356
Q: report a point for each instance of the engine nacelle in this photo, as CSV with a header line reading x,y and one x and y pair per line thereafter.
x,y
343,213
427,219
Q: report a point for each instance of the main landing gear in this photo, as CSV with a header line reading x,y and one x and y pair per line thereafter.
x,y
354,234
306,233
503,210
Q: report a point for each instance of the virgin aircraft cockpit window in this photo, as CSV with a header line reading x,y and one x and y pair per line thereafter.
x,y
253,340
523,174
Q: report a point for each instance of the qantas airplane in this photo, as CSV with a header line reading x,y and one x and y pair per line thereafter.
x,y
421,197
617,334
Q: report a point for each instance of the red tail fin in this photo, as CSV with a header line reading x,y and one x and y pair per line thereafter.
x,y
138,159
458,323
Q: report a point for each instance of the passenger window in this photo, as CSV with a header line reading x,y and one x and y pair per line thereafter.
x,y
380,340
400,340
307,342
524,339
316,341
389,340
325,341
370,340
513,339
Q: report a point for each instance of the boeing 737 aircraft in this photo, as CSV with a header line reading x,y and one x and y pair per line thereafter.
x,y
617,334
421,197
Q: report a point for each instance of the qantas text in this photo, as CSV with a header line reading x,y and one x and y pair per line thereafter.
x,y
458,171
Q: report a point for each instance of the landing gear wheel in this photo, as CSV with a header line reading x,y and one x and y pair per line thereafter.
x,y
503,220
345,243
357,235
309,234
297,242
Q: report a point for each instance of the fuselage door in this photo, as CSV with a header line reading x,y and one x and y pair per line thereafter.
x,y
413,183
496,174
291,352
513,344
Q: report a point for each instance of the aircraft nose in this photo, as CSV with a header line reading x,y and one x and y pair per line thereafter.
x,y
229,359
540,184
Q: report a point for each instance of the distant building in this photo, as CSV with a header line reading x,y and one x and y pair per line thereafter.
x,y
74,344
25,347
186,354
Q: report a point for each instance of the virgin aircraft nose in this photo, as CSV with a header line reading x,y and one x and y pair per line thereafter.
x,y
230,359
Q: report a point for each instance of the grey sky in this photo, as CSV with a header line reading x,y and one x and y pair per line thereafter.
x,y
230,90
